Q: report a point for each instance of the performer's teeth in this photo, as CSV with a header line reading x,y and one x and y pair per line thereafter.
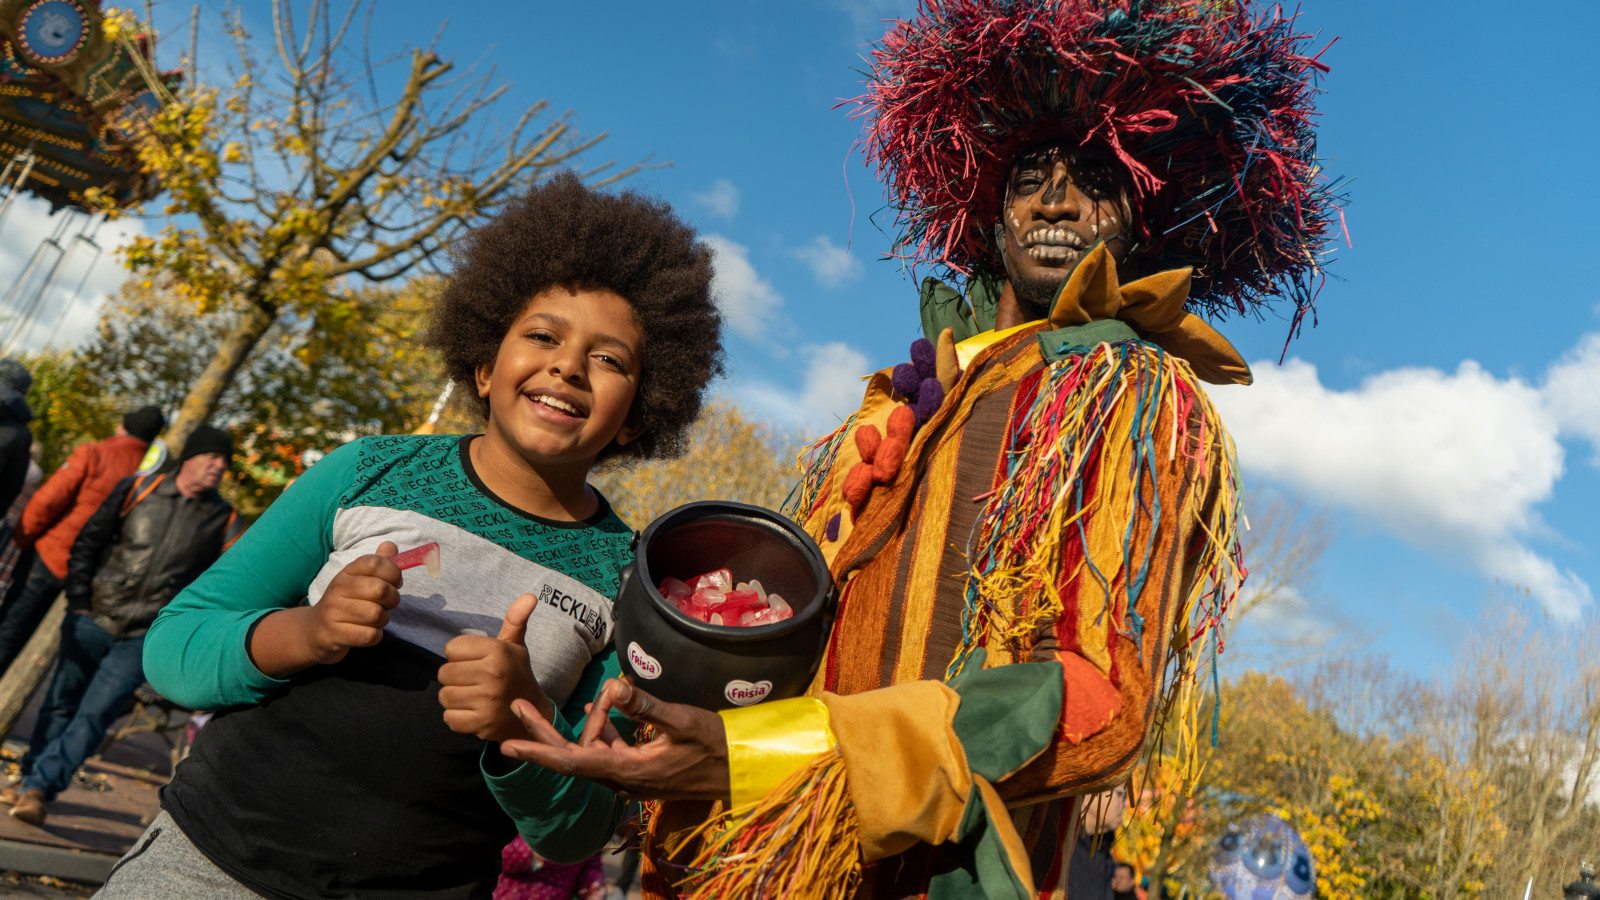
x,y
1054,253
1059,237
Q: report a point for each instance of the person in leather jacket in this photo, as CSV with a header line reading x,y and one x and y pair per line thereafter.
x,y
54,516
152,536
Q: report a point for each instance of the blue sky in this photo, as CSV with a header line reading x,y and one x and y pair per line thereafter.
x,y
1445,409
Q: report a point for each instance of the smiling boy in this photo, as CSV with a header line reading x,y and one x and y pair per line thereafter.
x,y
365,639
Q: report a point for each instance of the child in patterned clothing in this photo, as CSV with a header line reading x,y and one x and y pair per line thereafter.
x,y
383,588
524,875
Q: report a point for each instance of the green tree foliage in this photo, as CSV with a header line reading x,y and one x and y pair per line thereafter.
x,y
731,457
305,179
70,405
308,387
1464,785
318,384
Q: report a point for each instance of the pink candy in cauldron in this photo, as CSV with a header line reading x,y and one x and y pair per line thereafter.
x,y
713,598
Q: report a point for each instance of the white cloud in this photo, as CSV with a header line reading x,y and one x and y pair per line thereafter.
x,y
1572,392
830,391
748,302
867,17
1456,462
832,265
722,199
26,225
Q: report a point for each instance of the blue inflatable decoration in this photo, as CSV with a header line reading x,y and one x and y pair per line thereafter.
x,y
1262,858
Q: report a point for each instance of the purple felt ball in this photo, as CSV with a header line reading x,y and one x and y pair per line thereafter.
x,y
925,358
833,527
929,398
905,380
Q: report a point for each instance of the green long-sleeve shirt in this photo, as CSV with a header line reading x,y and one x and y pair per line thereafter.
x,y
344,778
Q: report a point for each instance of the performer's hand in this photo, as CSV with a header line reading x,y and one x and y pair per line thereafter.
x,y
483,675
355,607
687,759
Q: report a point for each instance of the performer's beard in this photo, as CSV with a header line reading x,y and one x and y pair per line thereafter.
x,y
1037,295
1036,290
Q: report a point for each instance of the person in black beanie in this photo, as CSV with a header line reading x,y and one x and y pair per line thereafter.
x,y
144,423
206,439
54,516
153,535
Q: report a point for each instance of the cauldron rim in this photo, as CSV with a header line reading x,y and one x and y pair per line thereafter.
x,y
759,516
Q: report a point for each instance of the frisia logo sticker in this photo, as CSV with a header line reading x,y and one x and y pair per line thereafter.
x,y
742,693
644,664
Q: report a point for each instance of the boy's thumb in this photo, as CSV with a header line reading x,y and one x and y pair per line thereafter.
x,y
514,630
386,549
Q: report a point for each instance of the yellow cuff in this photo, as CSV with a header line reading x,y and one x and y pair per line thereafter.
x,y
769,741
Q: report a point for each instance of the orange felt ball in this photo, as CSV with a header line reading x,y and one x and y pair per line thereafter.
x,y
868,437
887,463
902,422
857,485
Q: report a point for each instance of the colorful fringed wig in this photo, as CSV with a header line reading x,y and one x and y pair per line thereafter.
x,y
1206,105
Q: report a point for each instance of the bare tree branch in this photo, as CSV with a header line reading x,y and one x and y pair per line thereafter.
x,y
300,180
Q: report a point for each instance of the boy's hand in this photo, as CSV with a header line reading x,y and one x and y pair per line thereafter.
x,y
355,607
483,675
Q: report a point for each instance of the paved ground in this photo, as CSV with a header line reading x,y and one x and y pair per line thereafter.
x,y
117,814
14,885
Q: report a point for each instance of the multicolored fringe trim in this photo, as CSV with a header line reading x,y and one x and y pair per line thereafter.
x,y
814,463
799,842
1206,105
1057,445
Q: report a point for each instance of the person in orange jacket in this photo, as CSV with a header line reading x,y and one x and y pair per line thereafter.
x,y
58,510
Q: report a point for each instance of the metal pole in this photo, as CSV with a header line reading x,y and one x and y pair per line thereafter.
x,y
194,40
19,323
438,406
16,286
27,169
429,426
77,292
38,306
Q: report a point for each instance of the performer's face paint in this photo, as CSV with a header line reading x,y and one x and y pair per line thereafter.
x,y
1060,200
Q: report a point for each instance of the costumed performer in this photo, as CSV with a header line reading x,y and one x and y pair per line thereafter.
x,y
1044,482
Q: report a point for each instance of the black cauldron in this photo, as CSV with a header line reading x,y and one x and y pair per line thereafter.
x,y
683,660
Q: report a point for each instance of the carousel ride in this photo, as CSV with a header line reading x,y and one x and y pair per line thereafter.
x,y
74,89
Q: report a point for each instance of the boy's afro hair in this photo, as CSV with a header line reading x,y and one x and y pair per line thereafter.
x,y
562,234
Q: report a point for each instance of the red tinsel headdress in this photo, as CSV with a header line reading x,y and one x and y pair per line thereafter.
x,y
1206,104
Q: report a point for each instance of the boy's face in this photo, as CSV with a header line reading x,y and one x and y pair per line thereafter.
x,y
563,381
1059,201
